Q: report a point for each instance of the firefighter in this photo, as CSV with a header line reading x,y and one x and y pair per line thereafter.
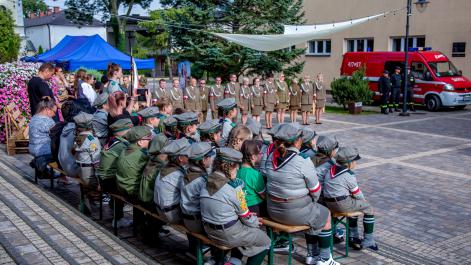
x,y
384,88
396,81
410,90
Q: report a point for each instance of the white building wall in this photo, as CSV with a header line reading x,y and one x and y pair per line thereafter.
x,y
39,35
59,32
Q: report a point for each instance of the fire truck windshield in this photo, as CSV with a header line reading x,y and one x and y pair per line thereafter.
x,y
444,69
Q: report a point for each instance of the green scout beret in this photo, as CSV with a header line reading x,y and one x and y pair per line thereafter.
x,y
187,118
83,120
199,150
170,122
210,126
227,104
288,132
347,154
149,112
254,126
137,133
157,144
121,125
326,144
100,99
180,147
227,154
308,134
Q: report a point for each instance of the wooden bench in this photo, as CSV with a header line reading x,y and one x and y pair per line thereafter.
x,y
273,227
342,218
200,239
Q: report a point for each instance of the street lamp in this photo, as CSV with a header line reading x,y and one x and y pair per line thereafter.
x,y
421,6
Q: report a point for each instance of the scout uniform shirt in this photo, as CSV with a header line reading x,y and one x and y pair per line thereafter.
x,y
269,96
216,94
192,99
294,96
130,165
161,93
167,187
341,181
307,94
87,156
176,97
244,99
227,126
323,167
109,156
232,90
100,125
257,97
190,188
282,95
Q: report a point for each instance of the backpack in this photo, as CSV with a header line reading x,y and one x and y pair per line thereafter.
x,y
55,134
146,187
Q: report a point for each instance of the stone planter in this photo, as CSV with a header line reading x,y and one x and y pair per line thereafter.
x,y
355,107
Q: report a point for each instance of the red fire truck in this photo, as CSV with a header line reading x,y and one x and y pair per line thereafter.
x,y
438,82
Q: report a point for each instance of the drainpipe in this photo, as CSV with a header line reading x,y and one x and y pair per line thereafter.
x,y
49,30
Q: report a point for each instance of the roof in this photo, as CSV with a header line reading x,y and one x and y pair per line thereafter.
x,y
58,19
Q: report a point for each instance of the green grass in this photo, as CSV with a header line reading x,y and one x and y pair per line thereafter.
x,y
340,110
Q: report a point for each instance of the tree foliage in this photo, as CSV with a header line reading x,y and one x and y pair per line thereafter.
x,y
82,12
352,89
40,49
9,40
33,7
188,22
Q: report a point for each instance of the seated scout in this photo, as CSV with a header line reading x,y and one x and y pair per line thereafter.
x,y
226,217
238,135
342,194
227,110
150,118
156,163
324,158
100,118
168,182
132,160
170,128
308,149
210,131
187,124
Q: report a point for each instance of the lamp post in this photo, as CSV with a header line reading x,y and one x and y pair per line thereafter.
x,y
421,5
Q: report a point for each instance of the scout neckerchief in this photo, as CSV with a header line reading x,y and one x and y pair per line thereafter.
x,y
215,182
192,97
280,87
254,90
170,168
229,88
337,170
173,95
280,160
269,90
242,93
303,89
202,92
194,172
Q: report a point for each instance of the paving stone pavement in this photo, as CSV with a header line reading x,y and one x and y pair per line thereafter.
x,y
414,172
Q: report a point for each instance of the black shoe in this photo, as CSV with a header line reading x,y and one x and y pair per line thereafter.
x,y
355,243
397,110
374,247
390,111
385,112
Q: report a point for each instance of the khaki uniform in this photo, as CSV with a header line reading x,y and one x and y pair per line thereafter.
x,y
232,91
204,99
269,97
216,94
320,95
282,95
176,96
160,93
257,100
192,99
87,156
307,96
245,98
294,97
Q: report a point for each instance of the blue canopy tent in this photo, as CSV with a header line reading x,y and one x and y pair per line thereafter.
x,y
88,51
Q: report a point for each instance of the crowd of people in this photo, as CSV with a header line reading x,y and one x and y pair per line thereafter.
x,y
216,176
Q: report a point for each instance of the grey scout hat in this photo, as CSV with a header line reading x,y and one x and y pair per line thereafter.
x,y
100,99
187,118
254,126
157,144
180,147
308,134
170,121
326,143
83,120
210,126
137,133
288,132
149,112
274,130
347,154
199,150
227,104
230,155
121,125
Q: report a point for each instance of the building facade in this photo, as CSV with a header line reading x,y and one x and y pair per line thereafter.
x,y
444,26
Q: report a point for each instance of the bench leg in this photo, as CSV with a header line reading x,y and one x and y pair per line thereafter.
x,y
272,245
344,221
114,222
347,235
333,229
199,252
290,249
36,173
82,200
101,206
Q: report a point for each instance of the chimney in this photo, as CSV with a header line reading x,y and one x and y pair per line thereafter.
x,y
57,9
41,14
49,12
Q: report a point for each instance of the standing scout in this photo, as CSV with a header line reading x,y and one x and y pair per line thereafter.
x,y
294,99
227,110
204,98
187,124
245,99
216,94
319,95
282,98
232,88
100,118
151,119
192,97
307,96
257,99
176,95
269,100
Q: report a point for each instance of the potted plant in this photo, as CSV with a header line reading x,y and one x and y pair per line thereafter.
x,y
352,92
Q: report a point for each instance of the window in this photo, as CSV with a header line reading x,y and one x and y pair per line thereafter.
x,y
319,48
459,49
398,43
360,45
420,71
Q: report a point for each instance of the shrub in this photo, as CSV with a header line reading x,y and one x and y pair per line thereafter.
x,y
351,89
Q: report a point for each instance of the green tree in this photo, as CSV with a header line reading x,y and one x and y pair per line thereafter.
x,y
82,12
40,49
210,54
9,40
351,89
33,6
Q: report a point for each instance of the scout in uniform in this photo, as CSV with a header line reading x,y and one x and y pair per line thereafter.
x,y
264,163
324,158
238,135
204,98
151,118
210,132
307,96
176,95
342,194
294,99
293,190
216,94
87,149
161,92
257,99
319,95
232,88
168,183
244,98
227,110
187,124
100,118
308,149
269,100
171,128
226,217
192,98
282,98
132,160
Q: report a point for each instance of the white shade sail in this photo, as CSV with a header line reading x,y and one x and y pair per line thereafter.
x,y
294,34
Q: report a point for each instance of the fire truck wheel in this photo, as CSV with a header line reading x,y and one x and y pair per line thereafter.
x,y
433,102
